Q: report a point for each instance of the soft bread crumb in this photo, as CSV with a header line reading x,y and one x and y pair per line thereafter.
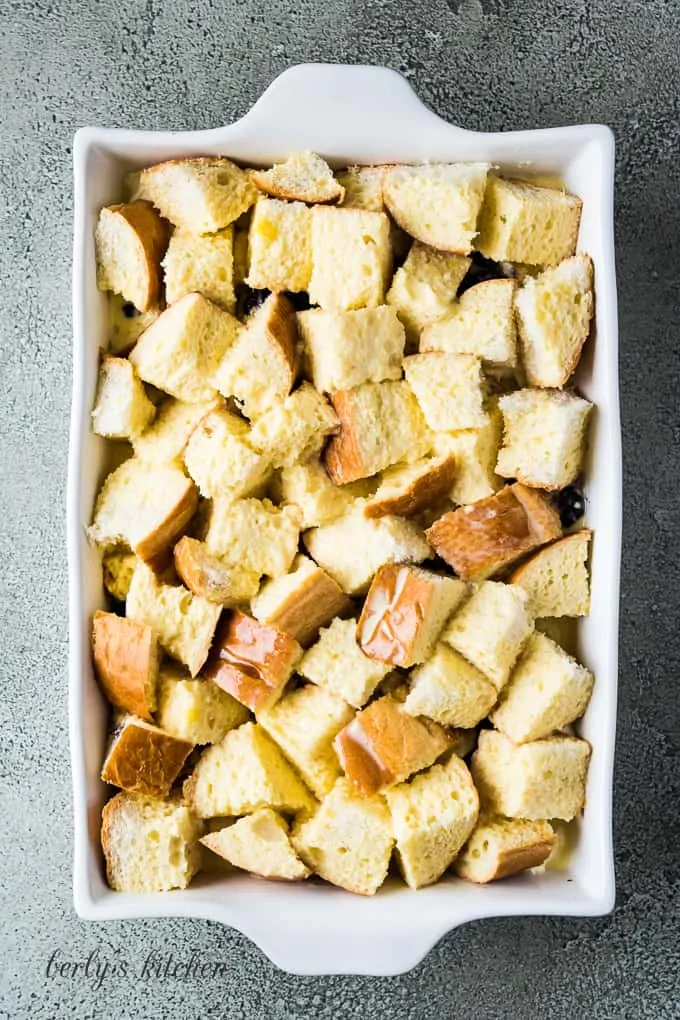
x,y
304,177
202,194
556,578
201,262
258,843
500,847
337,663
195,709
122,409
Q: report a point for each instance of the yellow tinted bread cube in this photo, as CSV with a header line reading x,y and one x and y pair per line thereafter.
x,y
337,663
317,500
206,575
221,459
363,187
253,535
203,263
304,177
125,323
450,690
280,246
118,566
195,709
163,441
296,428
449,389
482,323
122,409
500,847
408,490
475,452
130,240
556,578
424,288
300,602
201,194
258,843
521,222
345,349
352,258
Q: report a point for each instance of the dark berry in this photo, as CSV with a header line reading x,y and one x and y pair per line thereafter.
x,y
571,505
129,310
250,299
481,269
300,302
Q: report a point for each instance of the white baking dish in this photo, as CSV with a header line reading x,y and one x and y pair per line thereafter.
x,y
351,115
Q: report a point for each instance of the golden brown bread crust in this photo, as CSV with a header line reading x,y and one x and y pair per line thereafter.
x,y
144,759
125,654
310,607
421,494
264,183
343,457
484,538
156,548
518,574
207,576
395,610
280,324
512,862
252,661
152,234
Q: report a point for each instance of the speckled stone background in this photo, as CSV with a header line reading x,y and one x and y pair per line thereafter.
x,y
489,64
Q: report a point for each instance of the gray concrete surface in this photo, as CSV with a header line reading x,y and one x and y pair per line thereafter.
x,y
488,64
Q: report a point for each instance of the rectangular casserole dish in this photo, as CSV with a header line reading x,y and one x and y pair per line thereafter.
x,y
365,115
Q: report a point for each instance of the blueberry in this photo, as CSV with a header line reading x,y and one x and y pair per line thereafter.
x,y
481,269
571,505
300,302
129,310
250,299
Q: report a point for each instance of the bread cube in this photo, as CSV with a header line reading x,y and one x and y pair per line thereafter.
x,y
164,440
296,428
384,745
337,663
547,690
125,323
351,258
450,690
196,710
259,369
554,312
475,452
184,623
491,629
432,817
541,779
280,246
304,177
544,437
118,566
449,389
348,841
253,535
304,724
556,578
201,194
243,773
221,459
125,655
146,508
411,489
437,203
405,612
424,288
484,538
482,323
301,602
353,547
258,843
206,575
149,845
500,847
179,353
203,263
144,759
521,222
346,349
122,409
380,425
363,187
130,240
315,497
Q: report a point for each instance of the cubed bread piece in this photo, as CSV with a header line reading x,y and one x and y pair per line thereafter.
x,y
432,817
125,323
437,203
206,575
149,845
541,779
449,388
252,661
125,655
384,745
118,566
253,535
315,497
184,623
122,409
144,759
259,369
201,194
353,547
164,440
450,690
348,841
475,452
337,663
295,428
556,578
424,288
380,425
546,691
500,847
144,507
221,459
554,312
304,177
482,323
484,538
203,263
195,709
130,240
351,258
304,724
405,612
300,602
491,629
179,353
520,222
258,843
363,187
544,437
346,349
243,773
410,489
280,246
